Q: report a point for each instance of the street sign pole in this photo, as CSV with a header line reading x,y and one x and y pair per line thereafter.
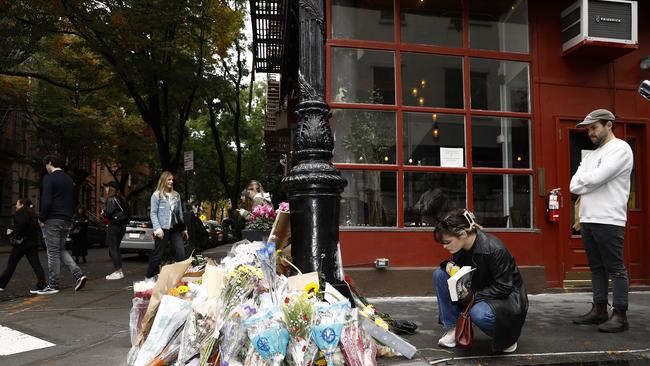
x,y
188,164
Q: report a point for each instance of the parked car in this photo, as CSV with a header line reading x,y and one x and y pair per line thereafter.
x,y
96,233
138,237
215,233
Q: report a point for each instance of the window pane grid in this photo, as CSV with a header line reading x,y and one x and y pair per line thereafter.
x,y
420,152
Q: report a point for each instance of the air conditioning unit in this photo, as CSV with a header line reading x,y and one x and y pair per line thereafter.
x,y
600,28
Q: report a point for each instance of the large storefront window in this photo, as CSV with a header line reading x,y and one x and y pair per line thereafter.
x,y
434,139
499,25
500,142
427,196
363,76
503,201
432,111
499,85
432,22
363,20
364,136
432,80
370,198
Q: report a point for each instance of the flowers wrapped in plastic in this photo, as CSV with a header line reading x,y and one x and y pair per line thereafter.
x,y
358,347
327,327
142,291
266,258
199,325
233,332
171,315
298,316
269,336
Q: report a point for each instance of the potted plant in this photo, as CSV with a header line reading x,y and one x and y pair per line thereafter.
x,y
259,223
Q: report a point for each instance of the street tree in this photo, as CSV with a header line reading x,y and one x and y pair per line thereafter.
x,y
159,51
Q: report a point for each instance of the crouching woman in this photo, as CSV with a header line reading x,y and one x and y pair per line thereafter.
x,y
501,302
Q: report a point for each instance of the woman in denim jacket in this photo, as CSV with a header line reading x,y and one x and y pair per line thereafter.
x,y
167,221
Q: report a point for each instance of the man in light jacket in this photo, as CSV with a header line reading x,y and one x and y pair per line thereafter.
x,y
603,183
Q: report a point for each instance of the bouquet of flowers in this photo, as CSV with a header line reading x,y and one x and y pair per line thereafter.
x,y
268,335
298,315
328,324
358,347
142,291
261,218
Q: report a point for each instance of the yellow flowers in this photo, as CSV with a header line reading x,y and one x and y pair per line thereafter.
x,y
178,291
311,289
381,323
367,311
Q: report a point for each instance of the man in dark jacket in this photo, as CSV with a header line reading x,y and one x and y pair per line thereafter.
x,y
57,205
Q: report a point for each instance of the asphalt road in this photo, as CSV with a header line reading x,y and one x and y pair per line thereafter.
x,y
91,327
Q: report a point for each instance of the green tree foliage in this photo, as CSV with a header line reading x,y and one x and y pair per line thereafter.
x,y
158,50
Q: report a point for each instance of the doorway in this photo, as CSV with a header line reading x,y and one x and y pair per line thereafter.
x,y
574,144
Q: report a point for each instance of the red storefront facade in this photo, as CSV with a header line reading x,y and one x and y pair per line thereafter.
x,y
472,103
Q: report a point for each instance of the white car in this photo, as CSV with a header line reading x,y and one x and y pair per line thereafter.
x,y
138,237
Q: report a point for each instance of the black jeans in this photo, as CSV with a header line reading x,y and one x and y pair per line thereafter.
x,y
604,248
29,250
114,236
173,236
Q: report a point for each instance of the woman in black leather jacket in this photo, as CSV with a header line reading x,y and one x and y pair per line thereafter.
x,y
25,227
501,298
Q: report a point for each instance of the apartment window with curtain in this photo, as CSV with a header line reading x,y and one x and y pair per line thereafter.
x,y
431,111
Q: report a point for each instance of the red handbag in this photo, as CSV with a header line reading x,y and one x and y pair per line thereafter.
x,y
464,330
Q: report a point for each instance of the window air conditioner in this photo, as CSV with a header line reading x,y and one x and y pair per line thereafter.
x,y
600,28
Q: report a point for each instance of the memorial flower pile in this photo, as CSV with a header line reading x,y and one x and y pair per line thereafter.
x,y
242,313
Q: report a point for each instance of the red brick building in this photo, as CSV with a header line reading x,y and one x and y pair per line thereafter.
x,y
470,103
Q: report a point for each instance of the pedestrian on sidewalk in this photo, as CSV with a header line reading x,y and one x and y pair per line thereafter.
x,y
167,220
79,234
24,243
118,214
603,183
57,204
501,300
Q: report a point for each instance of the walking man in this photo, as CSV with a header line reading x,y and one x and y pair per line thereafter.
x,y
603,183
57,205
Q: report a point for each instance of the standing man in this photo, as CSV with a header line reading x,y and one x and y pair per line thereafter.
x,y
57,205
603,183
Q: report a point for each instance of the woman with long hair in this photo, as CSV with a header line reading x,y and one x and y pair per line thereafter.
x,y
79,234
167,220
117,212
25,242
500,299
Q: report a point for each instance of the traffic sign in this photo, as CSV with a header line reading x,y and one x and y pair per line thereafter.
x,y
188,160
202,217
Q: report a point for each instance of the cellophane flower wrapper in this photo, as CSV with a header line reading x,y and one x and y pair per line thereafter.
x,y
328,325
268,335
199,326
357,346
298,316
242,253
142,291
170,352
266,258
233,332
171,315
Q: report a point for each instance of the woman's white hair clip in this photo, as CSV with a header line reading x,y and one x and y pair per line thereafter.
x,y
471,219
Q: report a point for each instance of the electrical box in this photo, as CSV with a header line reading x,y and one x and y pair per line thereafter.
x,y
381,263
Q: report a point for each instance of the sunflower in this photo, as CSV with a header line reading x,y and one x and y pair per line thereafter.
x,y
311,289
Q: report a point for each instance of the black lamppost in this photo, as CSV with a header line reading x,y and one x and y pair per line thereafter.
x,y
313,184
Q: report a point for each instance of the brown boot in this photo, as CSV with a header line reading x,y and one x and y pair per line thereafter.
x,y
597,315
616,323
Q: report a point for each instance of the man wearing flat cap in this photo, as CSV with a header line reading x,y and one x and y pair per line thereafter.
x,y
603,183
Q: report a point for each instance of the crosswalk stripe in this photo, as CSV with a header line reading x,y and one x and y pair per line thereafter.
x,y
13,342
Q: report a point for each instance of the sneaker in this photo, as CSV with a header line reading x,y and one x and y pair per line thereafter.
x,y
81,282
35,292
511,348
1,289
117,275
448,339
47,291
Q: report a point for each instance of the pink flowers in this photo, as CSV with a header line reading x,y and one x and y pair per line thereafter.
x,y
284,206
261,218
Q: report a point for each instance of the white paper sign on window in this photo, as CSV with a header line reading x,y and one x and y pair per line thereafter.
x,y
452,157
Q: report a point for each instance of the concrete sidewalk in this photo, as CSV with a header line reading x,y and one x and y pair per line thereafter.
x,y
548,336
